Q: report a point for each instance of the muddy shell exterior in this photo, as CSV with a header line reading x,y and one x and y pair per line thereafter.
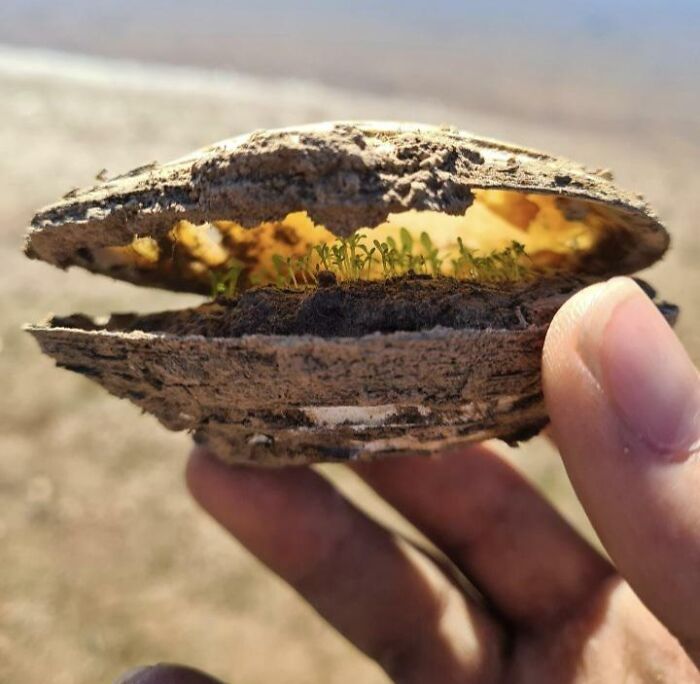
x,y
283,400
301,399
345,176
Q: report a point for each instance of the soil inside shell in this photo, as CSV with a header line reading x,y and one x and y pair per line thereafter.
x,y
352,309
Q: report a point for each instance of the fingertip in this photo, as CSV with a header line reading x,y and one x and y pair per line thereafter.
x,y
198,470
573,318
224,490
570,389
381,468
610,339
166,674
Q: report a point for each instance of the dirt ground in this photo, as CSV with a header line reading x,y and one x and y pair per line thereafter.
x,y
105,561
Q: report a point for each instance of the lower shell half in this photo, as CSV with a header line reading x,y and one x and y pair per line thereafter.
x,y
271,400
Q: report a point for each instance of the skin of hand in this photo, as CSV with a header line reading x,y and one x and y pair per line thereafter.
x,y
624,401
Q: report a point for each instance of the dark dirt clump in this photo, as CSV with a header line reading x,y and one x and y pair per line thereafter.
x,y
352,309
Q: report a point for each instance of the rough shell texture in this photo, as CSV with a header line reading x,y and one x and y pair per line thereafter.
x,y
346,176
279,400
299,399
276,400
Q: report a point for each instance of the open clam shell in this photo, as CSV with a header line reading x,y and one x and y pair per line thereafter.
x,y
300,398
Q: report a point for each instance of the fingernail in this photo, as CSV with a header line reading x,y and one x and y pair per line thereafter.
x,y
643,368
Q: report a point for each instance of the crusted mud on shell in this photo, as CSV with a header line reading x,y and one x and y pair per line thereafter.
x,y
280,400
276,191
299,398
349,370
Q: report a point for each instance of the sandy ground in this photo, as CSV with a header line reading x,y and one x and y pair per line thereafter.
x,y
105,561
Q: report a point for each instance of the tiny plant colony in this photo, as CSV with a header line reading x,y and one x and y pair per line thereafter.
x,y
355,258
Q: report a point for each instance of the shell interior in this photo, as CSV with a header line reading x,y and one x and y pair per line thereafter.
x,y
557,233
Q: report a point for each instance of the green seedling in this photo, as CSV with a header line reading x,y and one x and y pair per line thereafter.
x,y
225,282
324,255
368,259
431,254
282,278
498,266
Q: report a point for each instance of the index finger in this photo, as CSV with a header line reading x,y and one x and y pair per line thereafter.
x,y
511,543
386,597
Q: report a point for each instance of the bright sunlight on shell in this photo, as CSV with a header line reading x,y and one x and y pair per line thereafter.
x,y
376,288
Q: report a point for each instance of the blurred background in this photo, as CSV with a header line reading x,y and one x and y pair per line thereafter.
x,y
105,562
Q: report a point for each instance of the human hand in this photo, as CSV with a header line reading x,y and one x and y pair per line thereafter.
x,y
624,401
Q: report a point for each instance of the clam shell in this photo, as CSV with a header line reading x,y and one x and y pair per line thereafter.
x,y
345,176
281,400
300,399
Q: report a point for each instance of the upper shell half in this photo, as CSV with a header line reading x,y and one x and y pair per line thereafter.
x,y
336,178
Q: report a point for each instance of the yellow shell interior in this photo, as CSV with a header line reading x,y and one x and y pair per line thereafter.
x,y
554,231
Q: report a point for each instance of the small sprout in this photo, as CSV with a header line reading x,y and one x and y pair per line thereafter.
x,y
225,282
306,271
281,273
383,249
392,244
406,241
368,259
339,254
431,253
324,254
291,269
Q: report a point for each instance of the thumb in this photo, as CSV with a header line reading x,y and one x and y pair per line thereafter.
x,y
624,399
